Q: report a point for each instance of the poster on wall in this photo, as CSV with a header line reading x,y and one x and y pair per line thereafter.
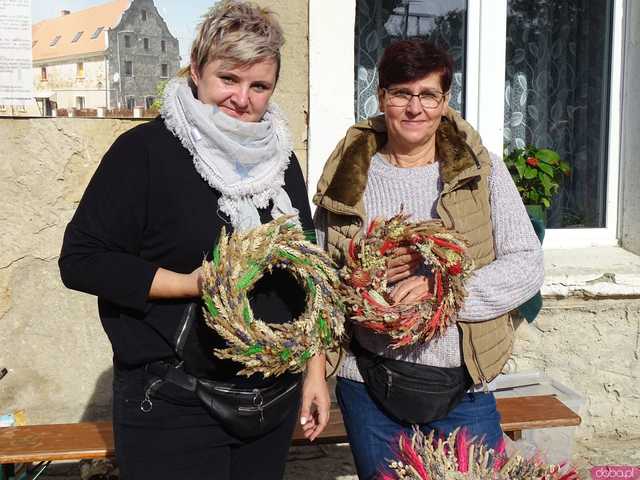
x,y
16,74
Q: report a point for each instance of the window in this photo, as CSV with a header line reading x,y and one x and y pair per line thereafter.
x,y
55,40
79,103
128,68
97,33
145,43
164,70
80,70
144,15
558,68
163,46
76,37
127,41
131,102
34,43
3,108
379,23
517,57
148,102
43,74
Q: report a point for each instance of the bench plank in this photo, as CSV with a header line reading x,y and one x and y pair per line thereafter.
x,y
77,441
71,441
526,413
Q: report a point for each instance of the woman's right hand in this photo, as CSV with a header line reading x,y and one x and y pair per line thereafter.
x,y
403,263
413,289
169,284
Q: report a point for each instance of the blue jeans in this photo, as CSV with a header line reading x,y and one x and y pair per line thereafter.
x,y
372,434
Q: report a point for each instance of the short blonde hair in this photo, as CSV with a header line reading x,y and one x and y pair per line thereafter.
x,y
238,33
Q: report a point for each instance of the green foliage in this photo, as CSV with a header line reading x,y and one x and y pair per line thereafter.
x,y
210,305
537,172
157,102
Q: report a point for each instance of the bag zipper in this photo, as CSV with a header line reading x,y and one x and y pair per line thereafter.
x,y
258,401
389,382
236,391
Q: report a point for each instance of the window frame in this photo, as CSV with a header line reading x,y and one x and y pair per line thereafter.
x,y
79,70
44,74
146,44
163,74
128,72
163,46
331,93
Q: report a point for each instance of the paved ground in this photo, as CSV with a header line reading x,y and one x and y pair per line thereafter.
x,y
334,462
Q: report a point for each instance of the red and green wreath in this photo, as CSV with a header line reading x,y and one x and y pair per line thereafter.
x,y
366,290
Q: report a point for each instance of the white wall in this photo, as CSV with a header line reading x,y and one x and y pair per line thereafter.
x,y
62,79
630,148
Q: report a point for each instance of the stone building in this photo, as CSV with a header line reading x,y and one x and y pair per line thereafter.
x,y
108,56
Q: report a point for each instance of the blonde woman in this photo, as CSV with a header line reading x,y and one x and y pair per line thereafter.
x,y
219,155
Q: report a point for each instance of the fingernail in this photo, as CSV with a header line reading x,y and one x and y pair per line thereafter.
x,y
303,420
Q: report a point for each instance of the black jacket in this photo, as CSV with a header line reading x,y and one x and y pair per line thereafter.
x,y
146,207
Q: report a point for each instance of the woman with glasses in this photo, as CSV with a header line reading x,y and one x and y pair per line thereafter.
x,y
422,157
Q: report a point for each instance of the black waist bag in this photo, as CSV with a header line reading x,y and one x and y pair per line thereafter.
x,y
243,412
408,392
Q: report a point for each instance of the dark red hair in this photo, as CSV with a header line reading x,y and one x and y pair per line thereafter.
x,y
409,60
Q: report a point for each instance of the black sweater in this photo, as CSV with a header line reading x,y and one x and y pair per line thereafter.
x,y
146,207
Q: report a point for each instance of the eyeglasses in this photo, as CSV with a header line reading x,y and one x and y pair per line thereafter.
x,y
428,100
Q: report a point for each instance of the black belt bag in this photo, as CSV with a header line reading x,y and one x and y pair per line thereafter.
x,y
248,413
408,392
243,412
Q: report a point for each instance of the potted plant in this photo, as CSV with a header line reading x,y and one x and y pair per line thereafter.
x,y
538,173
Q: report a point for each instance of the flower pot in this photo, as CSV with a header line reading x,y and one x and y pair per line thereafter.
x,y
538,212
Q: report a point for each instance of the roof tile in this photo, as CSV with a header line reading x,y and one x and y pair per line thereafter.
x,y
89,21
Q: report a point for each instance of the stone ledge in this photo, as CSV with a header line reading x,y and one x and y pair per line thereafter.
x,y
591,273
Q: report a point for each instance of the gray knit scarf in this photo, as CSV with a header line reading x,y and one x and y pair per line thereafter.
x,y
244,161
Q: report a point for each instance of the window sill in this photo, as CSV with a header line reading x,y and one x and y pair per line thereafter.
x,y
591,273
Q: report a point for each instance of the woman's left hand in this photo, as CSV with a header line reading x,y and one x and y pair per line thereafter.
x,y
315,393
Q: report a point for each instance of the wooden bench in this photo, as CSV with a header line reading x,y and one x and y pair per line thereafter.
x,y
89,440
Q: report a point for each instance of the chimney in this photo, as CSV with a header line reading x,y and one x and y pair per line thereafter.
x,y
64,12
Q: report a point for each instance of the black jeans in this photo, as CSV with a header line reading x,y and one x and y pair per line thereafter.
x,y
179,439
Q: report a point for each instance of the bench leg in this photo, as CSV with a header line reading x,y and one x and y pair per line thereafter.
x,y
42,466
8,471
515,435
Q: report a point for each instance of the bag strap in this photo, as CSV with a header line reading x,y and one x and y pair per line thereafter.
x,y
172,372
359,351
